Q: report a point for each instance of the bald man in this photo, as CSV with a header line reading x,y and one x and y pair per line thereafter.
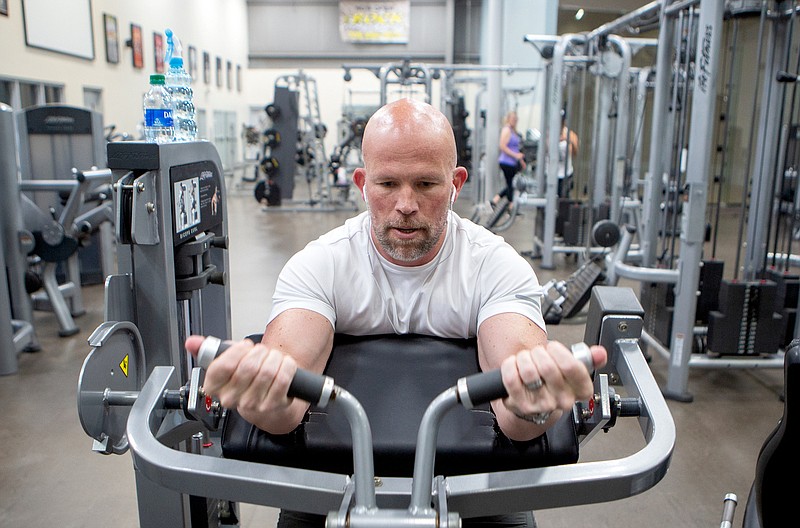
x,y
409,264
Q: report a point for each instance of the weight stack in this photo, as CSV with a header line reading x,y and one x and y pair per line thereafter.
x,y
574,224
748,324
564,206
788,287
708,289
658,300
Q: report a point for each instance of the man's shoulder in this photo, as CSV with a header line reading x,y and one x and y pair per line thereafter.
x,y
479,246
351,231
476,236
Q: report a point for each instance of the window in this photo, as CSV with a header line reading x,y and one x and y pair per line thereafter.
x,y
29,94
93,99
225,137
53,94
202,124
22,93
6,88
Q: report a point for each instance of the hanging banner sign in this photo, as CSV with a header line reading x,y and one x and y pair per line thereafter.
x,y
374,22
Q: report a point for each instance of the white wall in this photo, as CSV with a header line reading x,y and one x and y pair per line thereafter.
x,y
218,27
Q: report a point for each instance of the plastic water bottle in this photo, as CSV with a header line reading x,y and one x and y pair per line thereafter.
x,y
158,124
179,85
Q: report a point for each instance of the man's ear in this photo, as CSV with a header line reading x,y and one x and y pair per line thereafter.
x,y
459,178
360,179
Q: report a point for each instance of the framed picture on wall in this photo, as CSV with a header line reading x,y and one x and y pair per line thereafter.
x,y
4,7
193,63
219,72
206,68
158,51
229,74
238,77
112,38
137,46
63,27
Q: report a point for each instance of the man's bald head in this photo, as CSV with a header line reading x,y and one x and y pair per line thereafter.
x,y
409,124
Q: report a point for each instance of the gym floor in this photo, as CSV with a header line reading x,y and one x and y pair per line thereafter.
x,y
50,477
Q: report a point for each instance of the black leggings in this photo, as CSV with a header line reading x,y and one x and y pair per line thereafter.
x,y
509,171
292,519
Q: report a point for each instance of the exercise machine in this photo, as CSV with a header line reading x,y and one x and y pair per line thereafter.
x,y
564,216
54,140
171,232
744,322
417,482
769,503
16,313
64,202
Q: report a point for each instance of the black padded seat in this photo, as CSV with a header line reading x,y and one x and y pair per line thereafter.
x,y
771,501
395,377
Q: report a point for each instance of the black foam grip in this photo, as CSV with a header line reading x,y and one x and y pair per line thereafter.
x,y
307,386
485,387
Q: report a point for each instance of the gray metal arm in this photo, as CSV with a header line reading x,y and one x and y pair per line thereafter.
x,y
469,495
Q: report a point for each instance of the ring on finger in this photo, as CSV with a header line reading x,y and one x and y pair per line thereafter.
x,y
540,418
537,418
535,384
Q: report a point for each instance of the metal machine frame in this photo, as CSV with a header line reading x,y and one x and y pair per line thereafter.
x,y
16,312
155,424
171,228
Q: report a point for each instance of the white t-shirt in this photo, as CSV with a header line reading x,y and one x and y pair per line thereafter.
x,y
342,276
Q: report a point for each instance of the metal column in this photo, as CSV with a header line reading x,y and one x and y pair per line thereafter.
x,y
764,167
709,55
601,144
621,132
494,96
555,99
15,298
657,168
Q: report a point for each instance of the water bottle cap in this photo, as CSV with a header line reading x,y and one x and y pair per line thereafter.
x,y
157,78
176,62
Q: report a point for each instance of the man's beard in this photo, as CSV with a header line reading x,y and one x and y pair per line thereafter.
x,y
409,250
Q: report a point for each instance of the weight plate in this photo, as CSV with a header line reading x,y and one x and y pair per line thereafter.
x,y
260,191
605,233
115,363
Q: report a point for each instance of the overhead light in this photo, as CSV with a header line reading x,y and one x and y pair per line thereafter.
x,y
579,14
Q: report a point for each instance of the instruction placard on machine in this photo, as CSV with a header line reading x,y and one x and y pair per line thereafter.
x,y
196,199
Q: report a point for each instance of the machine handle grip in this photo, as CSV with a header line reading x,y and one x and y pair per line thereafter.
x,y
481,388
311,387
210,349
484,387
306,385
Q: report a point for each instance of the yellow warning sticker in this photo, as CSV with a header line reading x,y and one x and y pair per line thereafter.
x,y
124,365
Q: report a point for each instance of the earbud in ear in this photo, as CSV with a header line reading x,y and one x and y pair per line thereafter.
x,y
364,192
453,195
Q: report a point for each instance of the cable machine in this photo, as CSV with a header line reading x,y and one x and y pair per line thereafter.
x,y
699,318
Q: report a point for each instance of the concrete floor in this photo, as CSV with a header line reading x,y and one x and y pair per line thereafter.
x,y
50,477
